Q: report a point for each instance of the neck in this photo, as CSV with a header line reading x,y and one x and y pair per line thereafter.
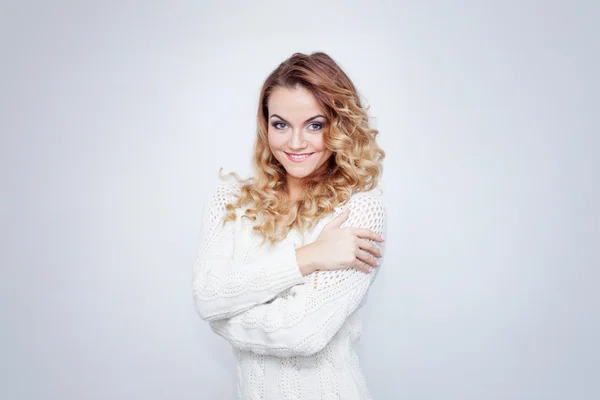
x,y
294,188
294,185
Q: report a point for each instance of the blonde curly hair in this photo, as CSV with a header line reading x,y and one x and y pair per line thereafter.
x,y
354,166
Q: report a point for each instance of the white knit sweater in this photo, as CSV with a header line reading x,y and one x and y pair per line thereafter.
x,y
292,335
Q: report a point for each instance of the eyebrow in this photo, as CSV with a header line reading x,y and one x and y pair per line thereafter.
x,y
308,120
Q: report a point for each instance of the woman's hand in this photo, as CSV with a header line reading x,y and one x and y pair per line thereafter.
x,y
340,248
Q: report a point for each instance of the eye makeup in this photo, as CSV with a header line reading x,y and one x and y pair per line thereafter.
x,y
319,125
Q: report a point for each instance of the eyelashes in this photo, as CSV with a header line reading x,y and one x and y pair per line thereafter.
x,y
318,124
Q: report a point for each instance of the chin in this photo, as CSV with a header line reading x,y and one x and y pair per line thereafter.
x,y
298,175
298,172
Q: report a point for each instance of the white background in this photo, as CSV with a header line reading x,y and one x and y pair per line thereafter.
x,y
115,117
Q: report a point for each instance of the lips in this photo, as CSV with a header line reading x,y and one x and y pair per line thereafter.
x,y
298,157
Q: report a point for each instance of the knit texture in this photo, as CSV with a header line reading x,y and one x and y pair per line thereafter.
x,y
292,335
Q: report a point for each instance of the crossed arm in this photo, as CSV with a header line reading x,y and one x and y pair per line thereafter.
x,y
243,303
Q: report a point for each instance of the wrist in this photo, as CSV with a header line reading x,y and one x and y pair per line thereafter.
x,y
305,261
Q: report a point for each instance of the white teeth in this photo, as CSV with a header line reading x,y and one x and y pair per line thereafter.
x,y
299,157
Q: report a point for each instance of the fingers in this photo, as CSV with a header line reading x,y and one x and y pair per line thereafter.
x,y
371,247
366,234
361,266
339,219
367,258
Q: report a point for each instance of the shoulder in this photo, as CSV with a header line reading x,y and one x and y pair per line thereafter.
x,y
365,202
367,209
226,191
223,193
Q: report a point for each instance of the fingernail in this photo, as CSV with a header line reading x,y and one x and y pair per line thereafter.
x,y
370,269
382,238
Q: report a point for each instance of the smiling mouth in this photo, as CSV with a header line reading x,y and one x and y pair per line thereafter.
x,y
298,157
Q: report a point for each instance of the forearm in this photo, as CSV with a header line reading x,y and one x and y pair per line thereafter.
x,y
223,289
299,324
304,320
305,260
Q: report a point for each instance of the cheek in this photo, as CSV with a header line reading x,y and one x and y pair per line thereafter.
x,y
318,143
274,140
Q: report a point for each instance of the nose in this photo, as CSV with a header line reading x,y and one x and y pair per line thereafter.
x,y
297,141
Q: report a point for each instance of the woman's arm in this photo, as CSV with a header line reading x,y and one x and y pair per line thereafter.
x,y
305,320
223,288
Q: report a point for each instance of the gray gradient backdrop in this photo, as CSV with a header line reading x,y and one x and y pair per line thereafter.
x,y
115,117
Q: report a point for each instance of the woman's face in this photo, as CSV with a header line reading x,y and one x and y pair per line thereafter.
x,y
296,126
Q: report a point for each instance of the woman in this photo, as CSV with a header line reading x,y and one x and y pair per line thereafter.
x,y
288,255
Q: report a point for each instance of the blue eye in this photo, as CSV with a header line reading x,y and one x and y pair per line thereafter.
x,y
277,123
319,126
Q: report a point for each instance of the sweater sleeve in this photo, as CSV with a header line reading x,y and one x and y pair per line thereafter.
x,y
304,320
223,288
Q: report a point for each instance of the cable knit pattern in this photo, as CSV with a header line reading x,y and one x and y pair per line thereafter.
x,y
292,335
222,285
